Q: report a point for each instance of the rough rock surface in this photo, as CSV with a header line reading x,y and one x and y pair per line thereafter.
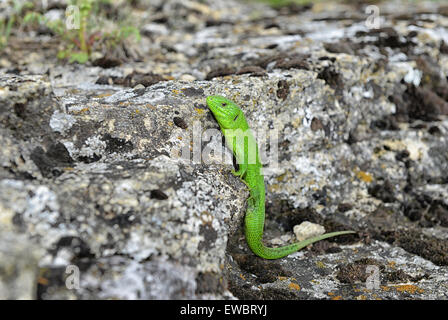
x,y
91,176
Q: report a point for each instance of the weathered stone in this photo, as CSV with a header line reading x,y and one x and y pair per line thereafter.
x,y
91,176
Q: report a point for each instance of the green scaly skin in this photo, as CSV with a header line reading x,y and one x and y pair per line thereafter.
x,y
241,141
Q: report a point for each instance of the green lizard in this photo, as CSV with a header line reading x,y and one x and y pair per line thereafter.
x,y
241,141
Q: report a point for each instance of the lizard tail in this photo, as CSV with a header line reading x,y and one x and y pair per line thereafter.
x,y
254,225
276,253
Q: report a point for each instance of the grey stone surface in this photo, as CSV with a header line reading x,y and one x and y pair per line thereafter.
x,y
91,176
19,267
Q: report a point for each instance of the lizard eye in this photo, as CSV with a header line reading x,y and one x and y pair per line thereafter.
x,y
224,104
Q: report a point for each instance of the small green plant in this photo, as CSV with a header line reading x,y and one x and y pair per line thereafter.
x,y
117,36
5,30
6,24
81,30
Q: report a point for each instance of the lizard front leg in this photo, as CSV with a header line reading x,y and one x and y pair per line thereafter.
x,y
241,171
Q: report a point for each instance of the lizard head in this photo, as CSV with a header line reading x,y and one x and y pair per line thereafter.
x,y
226,112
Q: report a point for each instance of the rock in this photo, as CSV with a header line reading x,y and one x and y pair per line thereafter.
x,y
119,174
18,267
187,77
307,230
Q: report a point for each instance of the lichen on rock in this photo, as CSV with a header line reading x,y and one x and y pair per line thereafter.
x,y
101,168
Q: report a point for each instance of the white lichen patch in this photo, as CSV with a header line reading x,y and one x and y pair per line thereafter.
x,y
120,96
38,207
158,279
92,146
61,122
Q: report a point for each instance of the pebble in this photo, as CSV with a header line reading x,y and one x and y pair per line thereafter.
x,y
307,230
